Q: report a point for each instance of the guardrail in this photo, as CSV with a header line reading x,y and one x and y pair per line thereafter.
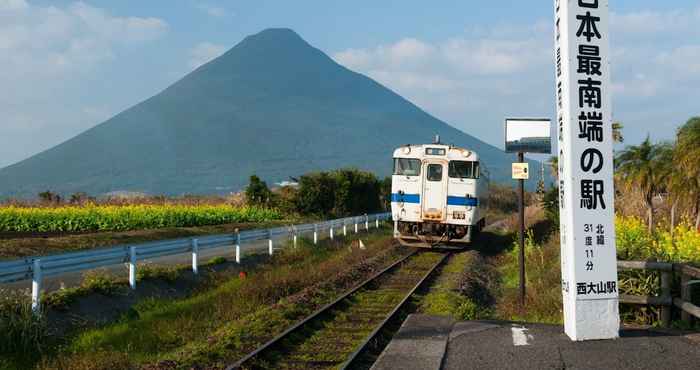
x,y
666,300
36,268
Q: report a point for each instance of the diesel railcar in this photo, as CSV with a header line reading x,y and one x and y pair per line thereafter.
x,y
438,194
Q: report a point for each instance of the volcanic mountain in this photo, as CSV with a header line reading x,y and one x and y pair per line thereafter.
x,y
273,105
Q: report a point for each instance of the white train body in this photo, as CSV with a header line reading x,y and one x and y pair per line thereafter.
x,y
437,195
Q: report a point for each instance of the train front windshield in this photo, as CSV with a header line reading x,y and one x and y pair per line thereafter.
x,y
407,166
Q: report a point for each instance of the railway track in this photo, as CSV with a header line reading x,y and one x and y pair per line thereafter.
x,y
337,335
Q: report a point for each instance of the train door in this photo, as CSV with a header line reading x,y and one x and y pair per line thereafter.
x,y
434,190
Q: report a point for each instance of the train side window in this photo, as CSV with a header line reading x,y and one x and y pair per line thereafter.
x,y
434,172
407,166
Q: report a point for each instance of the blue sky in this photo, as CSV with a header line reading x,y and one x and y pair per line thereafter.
x,y
66,66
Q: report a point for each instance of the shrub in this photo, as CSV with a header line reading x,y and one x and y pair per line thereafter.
x,y
99,282
634,242
338,193
550,203
21,331
257,192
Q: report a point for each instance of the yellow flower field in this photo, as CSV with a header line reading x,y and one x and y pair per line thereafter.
x,y
127,217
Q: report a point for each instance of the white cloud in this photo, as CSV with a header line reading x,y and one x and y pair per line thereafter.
x,y
508,70
204,52
50,55
212,11
6,5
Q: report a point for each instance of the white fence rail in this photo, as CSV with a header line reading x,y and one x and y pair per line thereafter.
x,y
36,268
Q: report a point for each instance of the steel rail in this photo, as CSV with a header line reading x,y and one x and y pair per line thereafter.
x,y
317,313
392,314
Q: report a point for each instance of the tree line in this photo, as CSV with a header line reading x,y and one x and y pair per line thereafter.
x,y
667,170
337,193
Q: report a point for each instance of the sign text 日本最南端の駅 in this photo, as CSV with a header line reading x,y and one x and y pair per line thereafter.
x,y
584,127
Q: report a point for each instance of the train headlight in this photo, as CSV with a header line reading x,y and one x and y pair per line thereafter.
x,y
407,150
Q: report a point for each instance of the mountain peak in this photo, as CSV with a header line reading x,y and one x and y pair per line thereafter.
x,y
273,105
275,36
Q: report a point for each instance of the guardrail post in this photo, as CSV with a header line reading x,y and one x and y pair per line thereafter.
x,y
238,246
345,228
685,297
366,222
132,267
36,287
315,233
330,232
195,251
354,219
269,241
294,237
376,222
666,294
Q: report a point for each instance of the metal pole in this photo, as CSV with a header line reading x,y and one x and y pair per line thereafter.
x,y
36,287
345,229
132,267
521,257
315,234
366,222
330,233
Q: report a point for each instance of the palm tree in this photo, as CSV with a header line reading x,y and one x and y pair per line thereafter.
x,y
687,158
554,166
617,132
640,167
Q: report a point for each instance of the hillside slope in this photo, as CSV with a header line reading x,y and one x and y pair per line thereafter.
x,y
273,105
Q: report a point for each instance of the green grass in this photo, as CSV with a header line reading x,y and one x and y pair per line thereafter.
x,y
227,320
448,297
543,300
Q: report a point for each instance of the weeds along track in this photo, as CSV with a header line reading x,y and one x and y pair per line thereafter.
x,y
338,332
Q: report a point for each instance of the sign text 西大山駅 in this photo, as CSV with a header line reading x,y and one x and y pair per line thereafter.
x,y
584,127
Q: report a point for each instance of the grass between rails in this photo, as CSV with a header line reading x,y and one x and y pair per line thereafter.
x,y
462,289
331,339
227,321
11,248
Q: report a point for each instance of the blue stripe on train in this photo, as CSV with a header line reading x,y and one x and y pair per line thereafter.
x,y
451,200
462,201
405,198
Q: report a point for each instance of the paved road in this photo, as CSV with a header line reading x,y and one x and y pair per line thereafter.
x,y
430,342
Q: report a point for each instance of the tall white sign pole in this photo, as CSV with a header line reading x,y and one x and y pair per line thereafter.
x,y
588,258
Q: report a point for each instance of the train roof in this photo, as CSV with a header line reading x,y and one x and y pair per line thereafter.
x,y
419,151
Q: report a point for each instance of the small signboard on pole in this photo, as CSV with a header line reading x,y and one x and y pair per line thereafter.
x,y
584,127
521,171
525,135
